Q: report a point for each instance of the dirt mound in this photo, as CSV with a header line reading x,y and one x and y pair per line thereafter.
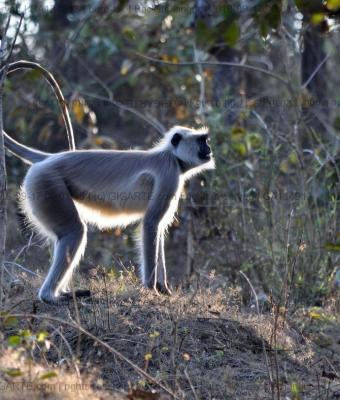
x,y
200,344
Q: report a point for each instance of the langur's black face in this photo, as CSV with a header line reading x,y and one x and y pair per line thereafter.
x,y
193,149
204,152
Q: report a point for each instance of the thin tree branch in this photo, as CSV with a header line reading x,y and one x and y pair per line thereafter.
x,y
15,38
317,69
190,384
150,120
15,264
155,124
216,63
202,107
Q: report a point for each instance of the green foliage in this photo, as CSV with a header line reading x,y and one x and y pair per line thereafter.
x,y
27,339
48,375
226,25
204,35
264,173
8,320
232,34
333,247
14,341
319,11
336,123
295,390
13,372
129,33
333,5
25,342
33,75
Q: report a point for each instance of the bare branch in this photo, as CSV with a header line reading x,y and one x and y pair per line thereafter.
x,y
15,264
110,99
202,108
215,63
317,69
150,120
15,38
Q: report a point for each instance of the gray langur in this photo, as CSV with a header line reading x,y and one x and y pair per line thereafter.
x,y
63,192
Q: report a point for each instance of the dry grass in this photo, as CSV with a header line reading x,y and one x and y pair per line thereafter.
x,y
199,343
32,385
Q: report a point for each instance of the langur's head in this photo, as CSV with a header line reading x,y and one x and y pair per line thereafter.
x,y
192,147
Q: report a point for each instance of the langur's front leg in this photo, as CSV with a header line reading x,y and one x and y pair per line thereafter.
x,y
152,236
161,282
150,243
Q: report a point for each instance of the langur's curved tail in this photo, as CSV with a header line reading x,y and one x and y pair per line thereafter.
x,y
27,154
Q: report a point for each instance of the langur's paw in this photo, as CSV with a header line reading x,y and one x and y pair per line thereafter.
x,y
64,298
77,293
54,300
83,293
162,289
159,288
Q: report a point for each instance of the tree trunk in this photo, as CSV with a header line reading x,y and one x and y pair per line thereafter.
x,y
315,104
226,84
3,194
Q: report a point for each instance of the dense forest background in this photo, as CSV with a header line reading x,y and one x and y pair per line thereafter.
x,y
262,75
273,201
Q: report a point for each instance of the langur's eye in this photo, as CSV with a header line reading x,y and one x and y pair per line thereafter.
x,y
176,139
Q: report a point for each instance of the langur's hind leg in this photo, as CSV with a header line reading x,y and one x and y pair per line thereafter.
x,y
67,252
51,204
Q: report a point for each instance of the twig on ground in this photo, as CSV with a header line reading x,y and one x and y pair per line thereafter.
x,y
15,264
99,341
58,330
271,381
190,384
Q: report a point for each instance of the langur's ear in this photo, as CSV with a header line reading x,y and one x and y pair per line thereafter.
x,y
176,139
